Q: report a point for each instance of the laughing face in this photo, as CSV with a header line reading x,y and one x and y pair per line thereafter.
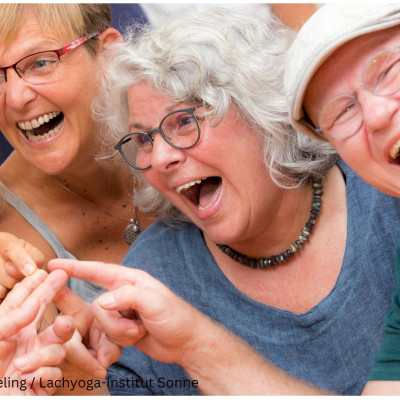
x,y
49,124
373,151
222,183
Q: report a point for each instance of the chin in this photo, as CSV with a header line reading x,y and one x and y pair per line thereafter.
x,y
228,235
52,165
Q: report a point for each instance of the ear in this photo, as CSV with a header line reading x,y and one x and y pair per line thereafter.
x,y
108,37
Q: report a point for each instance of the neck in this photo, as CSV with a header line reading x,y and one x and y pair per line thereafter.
x,y
98,182
279,227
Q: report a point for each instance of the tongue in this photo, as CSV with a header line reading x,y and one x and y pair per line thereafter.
x,y
48,126
41,130
396,160
209,191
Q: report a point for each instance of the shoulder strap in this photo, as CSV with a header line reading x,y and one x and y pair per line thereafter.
x,y
14,201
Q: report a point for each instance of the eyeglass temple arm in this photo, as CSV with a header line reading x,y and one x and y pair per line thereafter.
x,y
77,42
306,120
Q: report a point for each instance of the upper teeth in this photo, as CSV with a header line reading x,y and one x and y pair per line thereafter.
x,y
35,123
188,185
395,150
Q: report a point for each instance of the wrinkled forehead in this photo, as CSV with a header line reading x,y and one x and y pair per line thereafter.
x,y
365,46
342,71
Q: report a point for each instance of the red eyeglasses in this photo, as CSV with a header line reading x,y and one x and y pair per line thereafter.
x,y
41,67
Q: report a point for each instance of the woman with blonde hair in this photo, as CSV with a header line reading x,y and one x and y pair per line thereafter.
x,y
55,192
57,196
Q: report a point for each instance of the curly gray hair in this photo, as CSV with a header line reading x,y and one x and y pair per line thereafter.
x,y
217,57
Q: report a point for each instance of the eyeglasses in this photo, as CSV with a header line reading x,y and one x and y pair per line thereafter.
x,y
41,67
342,116
179,128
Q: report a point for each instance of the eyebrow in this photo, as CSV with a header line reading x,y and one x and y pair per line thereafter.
x,y
138,126
37,48
41,47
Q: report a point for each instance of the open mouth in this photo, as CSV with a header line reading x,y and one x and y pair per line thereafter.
x,y
203,193
44,127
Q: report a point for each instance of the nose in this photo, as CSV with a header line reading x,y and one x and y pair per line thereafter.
x,y
18,92
165,157
378,111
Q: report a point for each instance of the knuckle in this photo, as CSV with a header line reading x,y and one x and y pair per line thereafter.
x,y
116,334
35,253
111,331
59,354
12,244
33,281
9,306
53,373
39,276
8,283
38,358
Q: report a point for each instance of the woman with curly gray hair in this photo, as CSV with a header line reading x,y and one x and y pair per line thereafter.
x,y
281,245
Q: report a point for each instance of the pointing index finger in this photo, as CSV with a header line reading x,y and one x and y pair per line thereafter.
x,y
109,276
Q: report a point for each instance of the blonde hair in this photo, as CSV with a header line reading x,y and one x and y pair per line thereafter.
x,y
62,20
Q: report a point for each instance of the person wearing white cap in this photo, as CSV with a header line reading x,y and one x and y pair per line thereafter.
x,y
343,83
329,55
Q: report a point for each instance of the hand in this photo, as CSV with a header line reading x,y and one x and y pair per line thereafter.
x,y
89,353
172,331
166,328
83,363
18,258
27,358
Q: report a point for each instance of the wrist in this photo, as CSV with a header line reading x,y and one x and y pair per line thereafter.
x,y
204,346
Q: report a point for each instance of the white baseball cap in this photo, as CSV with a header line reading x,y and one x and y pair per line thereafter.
x,y
327,29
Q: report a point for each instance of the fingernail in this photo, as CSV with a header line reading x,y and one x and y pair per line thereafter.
x,y
22,363
107,360
133,332
67,322
69,325
29,269
101,373
107,300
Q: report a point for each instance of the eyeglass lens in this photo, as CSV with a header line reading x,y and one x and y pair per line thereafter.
x,y
342,117
180,129
36,69
41,67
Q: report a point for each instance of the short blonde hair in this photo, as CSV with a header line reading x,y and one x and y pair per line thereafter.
x,y
63,20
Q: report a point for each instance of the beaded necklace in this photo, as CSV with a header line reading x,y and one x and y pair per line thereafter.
x,y
294,248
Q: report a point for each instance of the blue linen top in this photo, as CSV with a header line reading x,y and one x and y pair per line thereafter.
x,y
332,345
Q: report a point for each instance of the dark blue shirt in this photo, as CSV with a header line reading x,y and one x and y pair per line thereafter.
x,y
332,345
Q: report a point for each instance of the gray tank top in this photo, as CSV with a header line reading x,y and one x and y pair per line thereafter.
x,y
86,290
